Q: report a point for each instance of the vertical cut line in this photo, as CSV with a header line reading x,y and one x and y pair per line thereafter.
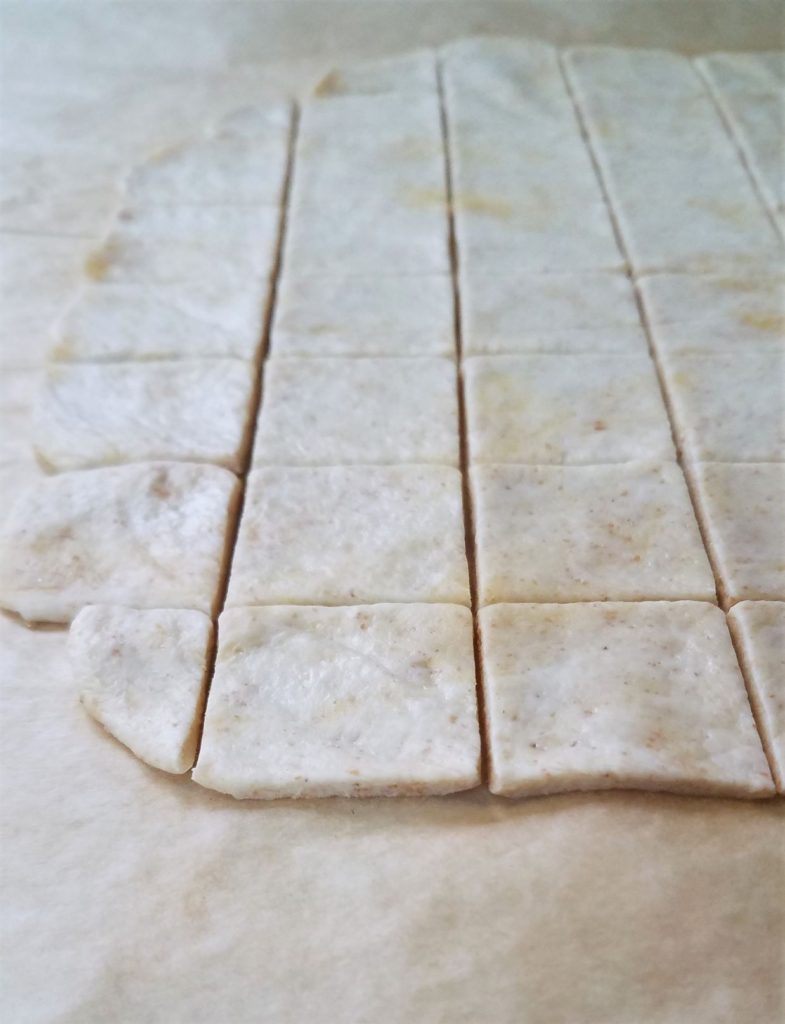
x,y
468,511
255,405
647,330
756,705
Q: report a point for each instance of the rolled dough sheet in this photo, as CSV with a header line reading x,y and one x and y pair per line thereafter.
x,y
681,196
522,177
640,696
507,311
759,628
151,535
103,414
587,533
345,314
350,535
553,409
179,320
343,411
241,162
709,313
366,701
141,675
729,407
741,507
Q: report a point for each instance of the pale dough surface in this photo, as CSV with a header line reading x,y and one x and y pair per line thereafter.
x,y
367,701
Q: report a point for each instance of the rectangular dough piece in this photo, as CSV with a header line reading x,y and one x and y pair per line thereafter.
x,y
351,535
185,410
556,409
587,533
729,407
741,506
383,207
141,674
365,701
524,189
151,536
505,311
680,194
172,321
617,696
322,412
713,313
242,162
344,314
759,629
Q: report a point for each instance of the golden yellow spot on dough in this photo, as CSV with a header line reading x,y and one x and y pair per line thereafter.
x,y
97,264
474,202
764,322
725,210
425,198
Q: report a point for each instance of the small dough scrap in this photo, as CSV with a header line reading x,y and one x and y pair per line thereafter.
x,y
411,72
729,407
103,414
141,674
510,312
759,628
553,409
742,507
151,536
367,701
242,162
712,313
351,535
587,533
617,695
338,314
175,321
342,411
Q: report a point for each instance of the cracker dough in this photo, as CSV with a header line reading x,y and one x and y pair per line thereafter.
x,y
742,510
99,414
710,313
151,536
340,411
351,535
579,409
587,533
522,177
729,407
367,701
346,314
759,628
141,674
507,311
632,696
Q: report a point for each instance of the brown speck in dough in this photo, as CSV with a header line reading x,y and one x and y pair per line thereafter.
x,y
600,425
762,322
159,486
96,265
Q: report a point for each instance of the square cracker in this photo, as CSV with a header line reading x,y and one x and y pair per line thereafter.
x,y
340,314
175,321
714,313
635,696
341,411
103,414
507,311
367,701
152,536
351,535
741,506
759,629
587,533
728,407
141,674
579,409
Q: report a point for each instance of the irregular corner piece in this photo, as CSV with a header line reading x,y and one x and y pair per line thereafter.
x,y
141,674
365,701
587,533
741,506
339,535
759,629
150,536
617,695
